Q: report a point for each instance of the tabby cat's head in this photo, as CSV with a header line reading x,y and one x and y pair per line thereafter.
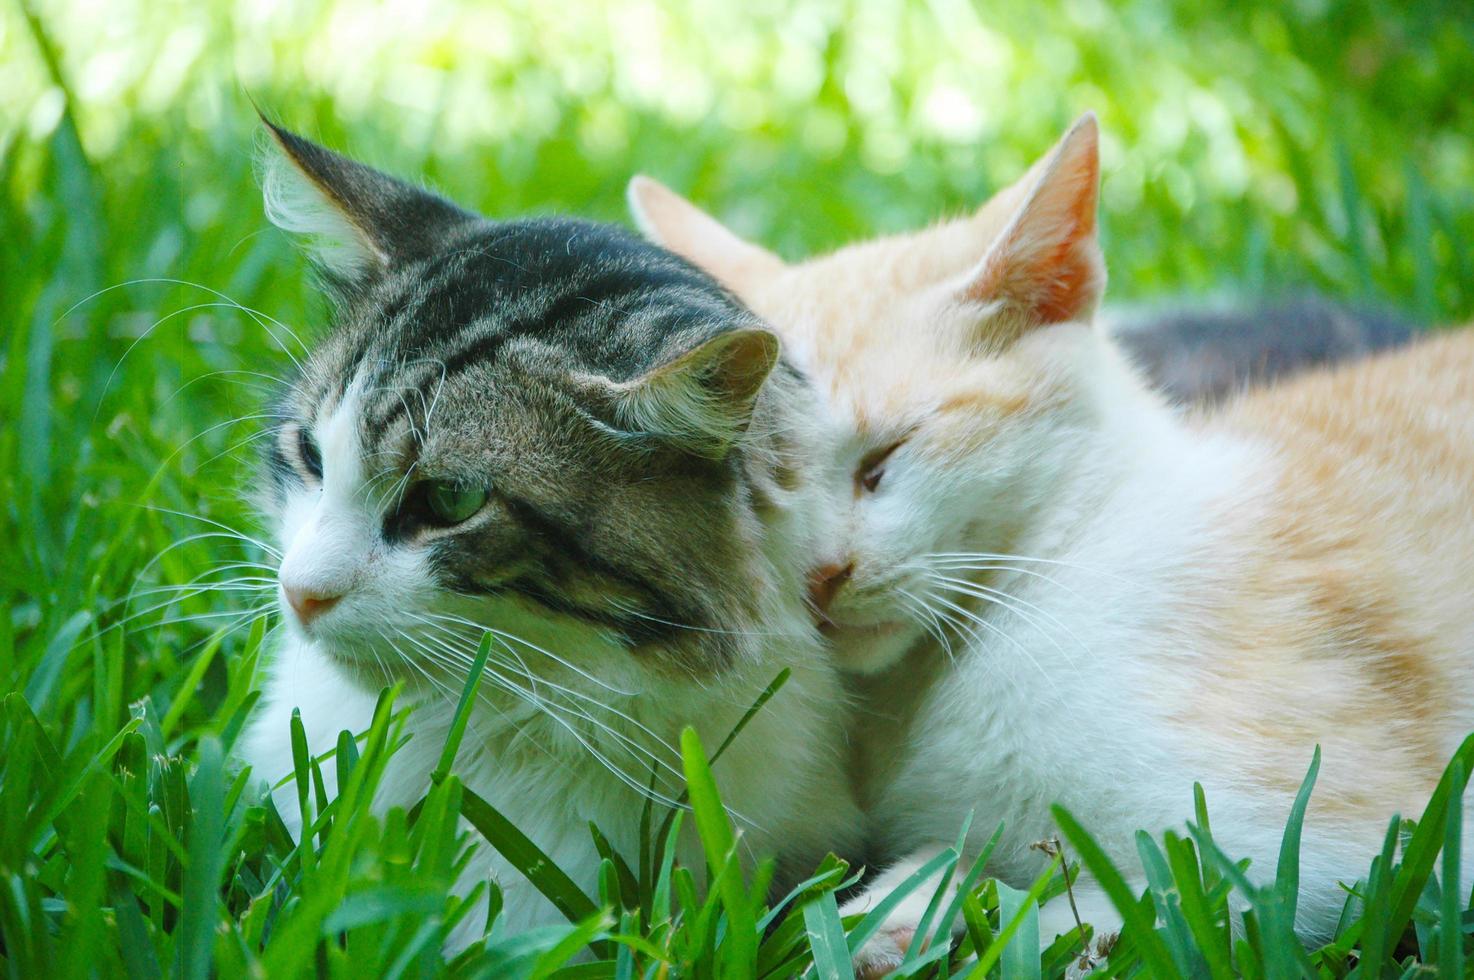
x,y
547,427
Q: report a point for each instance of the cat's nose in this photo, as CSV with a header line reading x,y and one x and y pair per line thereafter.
x,y
309,603
825,583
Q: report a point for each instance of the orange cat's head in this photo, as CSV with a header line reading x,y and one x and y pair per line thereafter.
x,y
962,377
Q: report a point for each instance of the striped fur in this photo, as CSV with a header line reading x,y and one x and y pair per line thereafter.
x,y
649,512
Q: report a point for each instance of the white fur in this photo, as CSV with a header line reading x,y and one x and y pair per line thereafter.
x,y
1076,693
1107,669
783,778
295,204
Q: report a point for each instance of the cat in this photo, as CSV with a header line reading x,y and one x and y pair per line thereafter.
x,y
1202,354
1058,588
556,433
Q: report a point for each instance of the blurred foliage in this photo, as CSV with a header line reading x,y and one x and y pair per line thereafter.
x,y
1315,142
1248,148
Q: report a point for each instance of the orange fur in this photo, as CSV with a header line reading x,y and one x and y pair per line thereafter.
x,y
1333,604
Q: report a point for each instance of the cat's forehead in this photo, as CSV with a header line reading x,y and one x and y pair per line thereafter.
x,y
856,324
879,330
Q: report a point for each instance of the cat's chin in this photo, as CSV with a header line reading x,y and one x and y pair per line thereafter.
x,y
870,647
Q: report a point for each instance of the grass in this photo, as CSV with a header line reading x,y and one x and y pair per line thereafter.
x,y
1255,149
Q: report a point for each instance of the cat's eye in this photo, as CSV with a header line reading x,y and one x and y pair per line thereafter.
x,y
450,504
872,468
309,453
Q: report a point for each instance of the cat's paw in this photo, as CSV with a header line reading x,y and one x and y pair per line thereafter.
x,y
885,950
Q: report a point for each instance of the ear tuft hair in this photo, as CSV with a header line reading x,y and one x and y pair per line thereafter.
x,y
355,221
300,206
704,398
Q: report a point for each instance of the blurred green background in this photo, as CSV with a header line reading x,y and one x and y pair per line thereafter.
x,y
1248,148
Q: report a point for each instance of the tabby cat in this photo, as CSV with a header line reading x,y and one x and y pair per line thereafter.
x,y
554,433
1061,589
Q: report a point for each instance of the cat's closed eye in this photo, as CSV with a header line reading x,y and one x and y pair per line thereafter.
x,y
872,467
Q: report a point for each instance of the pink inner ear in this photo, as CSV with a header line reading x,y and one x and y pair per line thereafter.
x,y
1049,285
1047,265
1069,292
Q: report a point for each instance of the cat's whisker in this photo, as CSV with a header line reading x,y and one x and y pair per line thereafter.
x,y
238,446
227,375
112,375
248,615
993,628
439,687
238,420
957,567
930,621
167,603
201,536
1013,604
551,711
261,318
467,657
435,400
229,531
961,558
182,592
268,574
629,610
502,634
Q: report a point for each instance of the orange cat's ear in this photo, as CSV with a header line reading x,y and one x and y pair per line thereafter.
x,y
1046,265
671,221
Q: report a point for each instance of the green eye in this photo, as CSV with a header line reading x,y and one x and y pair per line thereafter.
x,y
452,504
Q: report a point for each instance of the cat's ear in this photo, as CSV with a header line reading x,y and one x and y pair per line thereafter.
x,y
1045,266
672,222
703,399
355,221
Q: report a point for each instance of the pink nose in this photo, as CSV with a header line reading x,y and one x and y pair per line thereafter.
x,y
309,604
825,583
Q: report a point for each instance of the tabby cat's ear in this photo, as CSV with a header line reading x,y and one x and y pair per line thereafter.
x,y
671,221
704,398
1046,265
355,221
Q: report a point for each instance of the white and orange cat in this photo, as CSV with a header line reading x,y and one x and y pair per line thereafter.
x,y
1134,599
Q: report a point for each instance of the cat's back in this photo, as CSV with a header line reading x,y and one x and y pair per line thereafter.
x,y
1377,457
1403,419
1368,515
1345,602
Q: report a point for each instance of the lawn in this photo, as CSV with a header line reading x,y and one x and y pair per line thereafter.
x,y
1249,149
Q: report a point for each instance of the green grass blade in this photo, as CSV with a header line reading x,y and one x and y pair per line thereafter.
x,y
206,862
1026,911
1211,934
1422,851
1450,932
774,686
968,883
1136,917
1287,879
1020,960
876,917
715,830
463,711
827,939
529,859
